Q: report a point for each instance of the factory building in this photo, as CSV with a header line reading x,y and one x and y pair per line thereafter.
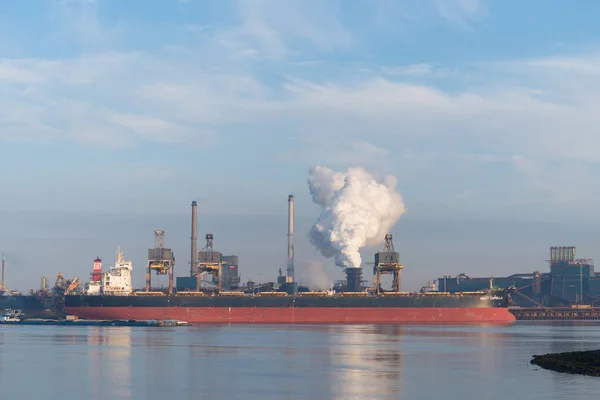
x,y
569,281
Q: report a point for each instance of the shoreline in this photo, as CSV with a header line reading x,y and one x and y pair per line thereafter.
x,y
574,362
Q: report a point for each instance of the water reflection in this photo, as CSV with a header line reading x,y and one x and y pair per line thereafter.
x,y
2,358
363,367
109,362
290,362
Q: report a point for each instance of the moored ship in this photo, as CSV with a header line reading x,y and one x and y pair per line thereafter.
x,y
352,301
490,307
352,304
34,306
37,305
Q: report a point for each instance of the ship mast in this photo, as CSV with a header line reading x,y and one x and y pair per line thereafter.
x,y
119,255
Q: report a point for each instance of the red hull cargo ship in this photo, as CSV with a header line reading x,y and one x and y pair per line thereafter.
x,y
350,304
353,308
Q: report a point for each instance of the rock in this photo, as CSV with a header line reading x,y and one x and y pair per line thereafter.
x,y
575,362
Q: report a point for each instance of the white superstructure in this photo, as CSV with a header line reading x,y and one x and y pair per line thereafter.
x,y
94,288
117,281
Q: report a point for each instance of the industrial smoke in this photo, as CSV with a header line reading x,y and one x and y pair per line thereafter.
x,y
358,209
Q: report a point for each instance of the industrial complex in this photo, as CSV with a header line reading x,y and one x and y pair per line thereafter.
x,y
213,293
570,284
569,281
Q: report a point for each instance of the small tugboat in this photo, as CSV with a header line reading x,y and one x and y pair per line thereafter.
x,y
12,316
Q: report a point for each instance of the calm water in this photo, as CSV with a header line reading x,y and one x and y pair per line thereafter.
x,y
285,362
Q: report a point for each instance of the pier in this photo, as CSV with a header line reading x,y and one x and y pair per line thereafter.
x,y
573,313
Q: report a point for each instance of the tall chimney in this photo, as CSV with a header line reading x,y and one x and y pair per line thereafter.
x,y
194,237
3,269
290,257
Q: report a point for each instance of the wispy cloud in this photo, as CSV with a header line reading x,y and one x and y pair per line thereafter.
x,y
273,29
419,70
233,80
79,22
461,12
559,183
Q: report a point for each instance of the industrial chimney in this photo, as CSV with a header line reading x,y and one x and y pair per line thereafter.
x,y
290,257
194,238
3,270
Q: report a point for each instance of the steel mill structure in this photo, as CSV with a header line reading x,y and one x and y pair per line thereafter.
x,y
387,261
213,292
571,281
210,262
217,300
161,260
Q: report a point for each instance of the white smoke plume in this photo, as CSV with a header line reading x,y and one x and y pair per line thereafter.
x,y
314,274
358,210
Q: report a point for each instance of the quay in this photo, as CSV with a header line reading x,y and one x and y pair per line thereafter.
x,y
573,313
84,322
17,317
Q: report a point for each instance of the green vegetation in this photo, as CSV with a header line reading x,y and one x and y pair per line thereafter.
x,y
576,362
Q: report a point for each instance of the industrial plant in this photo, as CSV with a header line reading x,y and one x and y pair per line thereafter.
x,y
569,281
214,277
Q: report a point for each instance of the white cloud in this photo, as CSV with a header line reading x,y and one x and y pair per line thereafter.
x,y
460,12
561,184
273,29
311,147
79,22
144,97
418,70
541,108
11,73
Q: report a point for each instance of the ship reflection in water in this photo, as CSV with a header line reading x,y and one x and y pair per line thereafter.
x,y
109,360
290,362
365,365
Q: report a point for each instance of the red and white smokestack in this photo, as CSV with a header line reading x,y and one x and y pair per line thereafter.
x,y
290,255
97,272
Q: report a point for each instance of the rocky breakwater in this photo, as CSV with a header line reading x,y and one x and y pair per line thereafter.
x,y
575,362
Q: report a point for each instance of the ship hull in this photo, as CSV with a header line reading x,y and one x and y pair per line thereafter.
x,y
292,309
33,306
299,315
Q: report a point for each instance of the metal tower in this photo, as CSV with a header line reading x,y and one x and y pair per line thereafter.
x,y
387,261
160,259
209,261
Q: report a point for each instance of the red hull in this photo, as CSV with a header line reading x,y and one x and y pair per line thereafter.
x,y
285,315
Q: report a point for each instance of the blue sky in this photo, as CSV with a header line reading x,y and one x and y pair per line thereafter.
x,y
125,111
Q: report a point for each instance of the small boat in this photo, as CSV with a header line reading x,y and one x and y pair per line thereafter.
x,y
12,315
